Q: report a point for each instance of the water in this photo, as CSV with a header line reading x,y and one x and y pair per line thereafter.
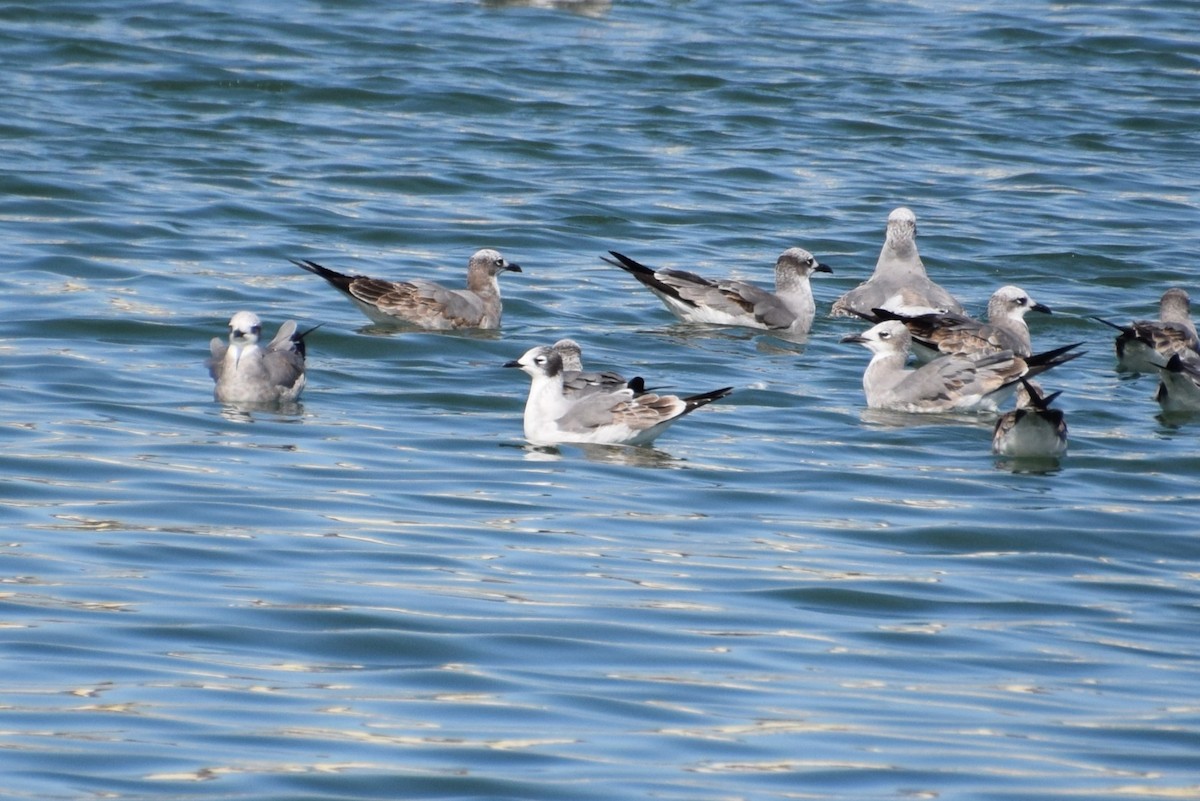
x,y
384,593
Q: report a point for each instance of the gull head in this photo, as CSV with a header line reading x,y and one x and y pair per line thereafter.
x,y
890,336
490,262
800,261
1012,301
244,328
570,352
538,362
901,225
1175,306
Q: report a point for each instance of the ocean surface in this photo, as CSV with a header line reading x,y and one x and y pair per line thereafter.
x,y
384,593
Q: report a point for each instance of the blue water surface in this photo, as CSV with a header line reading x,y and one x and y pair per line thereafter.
x,y
383,592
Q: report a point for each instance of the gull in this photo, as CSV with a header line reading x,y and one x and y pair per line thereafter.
x,y
1143,346
620,417
949,333
1033,429
1179,384
947,384
899,282
577,380
425,304
695,299
246,372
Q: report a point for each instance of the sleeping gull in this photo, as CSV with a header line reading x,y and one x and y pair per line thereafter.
x,y
1179,385
425,304
577,380
1143,346
946,384
245,372
899,282
608,418
1033,429
695,299
949,333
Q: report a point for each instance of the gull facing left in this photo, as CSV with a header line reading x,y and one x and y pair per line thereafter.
x,y
695,299
946,384
246,372
620,417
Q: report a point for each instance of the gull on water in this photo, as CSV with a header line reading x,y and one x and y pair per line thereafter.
x,y
620,417
1032,430
946,384
246,372
1179,384
695,299
425,304
899,282
577,380
949,333
1143,346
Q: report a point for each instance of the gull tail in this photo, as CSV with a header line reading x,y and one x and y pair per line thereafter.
x,y
1041,362
696,401
644,275
1122,328
339,280
1036,399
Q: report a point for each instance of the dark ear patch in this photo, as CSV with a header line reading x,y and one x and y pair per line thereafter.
x,y
554,364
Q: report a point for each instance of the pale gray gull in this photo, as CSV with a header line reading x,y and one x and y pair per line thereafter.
x,y
246,372
695,299
946,384
1033,430
1143,346
423,303
899,282
619,417
949,333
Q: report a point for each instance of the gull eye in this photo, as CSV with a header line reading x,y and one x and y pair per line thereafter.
x,y
885,335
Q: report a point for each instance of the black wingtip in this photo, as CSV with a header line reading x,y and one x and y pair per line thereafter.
x,y
628,264
1124,328
696,401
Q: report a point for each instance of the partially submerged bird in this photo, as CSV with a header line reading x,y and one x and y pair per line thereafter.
x,y
619,417
1179,385
246,372
899,282
578,380
950,333
425,304
1032,430
695,299
946,384
1143,346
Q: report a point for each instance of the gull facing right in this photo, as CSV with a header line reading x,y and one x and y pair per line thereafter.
x,y
946,384
619,417
695,299
425,304
949,333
